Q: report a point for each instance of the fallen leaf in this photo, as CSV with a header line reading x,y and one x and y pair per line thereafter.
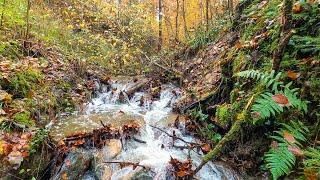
x,y
310,174
280,99
288,137
15,158
292,75
181,173
297,8
206,148
295,150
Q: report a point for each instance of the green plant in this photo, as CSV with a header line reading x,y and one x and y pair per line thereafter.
x,y
40,136
282,156
22,82
23,118
312,161
198,114
276,96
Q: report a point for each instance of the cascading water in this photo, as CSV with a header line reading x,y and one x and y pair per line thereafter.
x,y
157,150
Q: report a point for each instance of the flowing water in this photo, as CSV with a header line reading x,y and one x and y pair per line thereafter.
x,y
157,150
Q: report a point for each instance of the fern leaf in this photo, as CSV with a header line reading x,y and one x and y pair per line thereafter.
x,y
279,160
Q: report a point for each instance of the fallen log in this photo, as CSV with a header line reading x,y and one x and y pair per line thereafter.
x,y
97,137
231,135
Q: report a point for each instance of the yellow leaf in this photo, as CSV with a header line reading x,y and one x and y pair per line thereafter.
x,y
5,97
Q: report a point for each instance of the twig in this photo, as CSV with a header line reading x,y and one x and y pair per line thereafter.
x,y
176,137
123,163
139,140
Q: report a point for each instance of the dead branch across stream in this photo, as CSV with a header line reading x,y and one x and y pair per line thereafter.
x,y
97,137
175,137
125,164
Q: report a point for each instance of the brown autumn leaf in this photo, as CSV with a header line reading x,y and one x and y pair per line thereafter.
x,y
181,173
297,8
206,148
295,150
293,75
310,174
281,99
238,45
64,176
288,137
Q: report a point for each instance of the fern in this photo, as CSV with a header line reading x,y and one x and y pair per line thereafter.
x,y
280,160
267,79
264,105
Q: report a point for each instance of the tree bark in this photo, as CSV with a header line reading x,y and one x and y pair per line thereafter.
x,y
207,16
28,19
177,21
2,13
160,24
184,20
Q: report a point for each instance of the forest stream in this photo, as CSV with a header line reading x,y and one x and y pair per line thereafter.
x,y
154,148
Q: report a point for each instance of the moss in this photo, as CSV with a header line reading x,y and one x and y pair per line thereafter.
x,y
21,83
23,118
223,114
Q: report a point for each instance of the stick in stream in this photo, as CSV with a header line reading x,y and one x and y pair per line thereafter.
x,y
176,137
138,140
123,164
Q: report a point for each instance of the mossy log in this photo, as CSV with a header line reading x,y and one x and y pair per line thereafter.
x,y
231,135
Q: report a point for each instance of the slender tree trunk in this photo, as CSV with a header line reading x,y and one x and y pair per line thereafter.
x,y
184,20
201,11
2,13
28,19
207,16
177,21
160,24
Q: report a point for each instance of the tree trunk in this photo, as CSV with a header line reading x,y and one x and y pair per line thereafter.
x,y
207,16
2,13
160,24
28,19
186,34
177,21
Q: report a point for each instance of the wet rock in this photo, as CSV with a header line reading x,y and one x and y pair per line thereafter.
x,y
143,175
89,175
75,165
112,148
226,172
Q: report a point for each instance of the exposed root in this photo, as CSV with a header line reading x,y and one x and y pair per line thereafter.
x,y
235,129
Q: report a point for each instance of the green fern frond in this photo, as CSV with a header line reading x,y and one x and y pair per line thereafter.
x,y
297,129
279,160
267,79
266,106
295,102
